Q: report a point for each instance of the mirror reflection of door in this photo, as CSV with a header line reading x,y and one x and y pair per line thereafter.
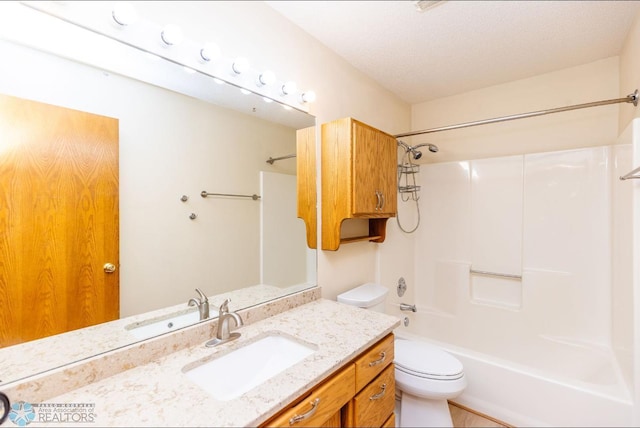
x,y
59,220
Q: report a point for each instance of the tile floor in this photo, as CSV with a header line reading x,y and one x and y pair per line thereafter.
x,y
467,418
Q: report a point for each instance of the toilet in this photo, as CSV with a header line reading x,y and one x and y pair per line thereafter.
x,y
426,376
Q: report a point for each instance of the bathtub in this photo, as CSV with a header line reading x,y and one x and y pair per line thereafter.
x,y
548,382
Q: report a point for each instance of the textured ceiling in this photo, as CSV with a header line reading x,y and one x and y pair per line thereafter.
x,y
458,46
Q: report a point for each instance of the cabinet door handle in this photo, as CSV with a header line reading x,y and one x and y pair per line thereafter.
x,y
297,418
382,197
378,195
380,394
383,355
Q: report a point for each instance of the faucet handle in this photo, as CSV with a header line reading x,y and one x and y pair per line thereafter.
x,y
224,307
203,297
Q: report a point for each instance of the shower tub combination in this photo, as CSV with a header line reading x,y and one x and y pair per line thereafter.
x,y
546,383
524,273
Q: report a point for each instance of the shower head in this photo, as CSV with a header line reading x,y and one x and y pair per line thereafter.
x,y
432,147
417,154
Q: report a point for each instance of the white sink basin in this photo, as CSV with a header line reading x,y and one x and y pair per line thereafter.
x,y
241,370
165,324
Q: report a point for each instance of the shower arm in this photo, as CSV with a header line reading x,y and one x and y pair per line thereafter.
x,y
404,145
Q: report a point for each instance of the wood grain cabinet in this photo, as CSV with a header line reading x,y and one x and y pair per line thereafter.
x,y
306,181
320,407
359,179
374,401
360,394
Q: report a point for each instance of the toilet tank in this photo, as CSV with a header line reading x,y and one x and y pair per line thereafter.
x,y
368,296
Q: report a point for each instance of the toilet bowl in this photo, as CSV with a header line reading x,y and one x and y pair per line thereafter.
x,y
426,376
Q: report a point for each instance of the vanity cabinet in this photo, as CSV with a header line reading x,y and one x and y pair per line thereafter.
x,y
374,401
359,179
361,393
321,407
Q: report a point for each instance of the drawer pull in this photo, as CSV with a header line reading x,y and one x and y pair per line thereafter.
x,y
298,418
380,394
383,355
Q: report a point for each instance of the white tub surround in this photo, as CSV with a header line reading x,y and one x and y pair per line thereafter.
x,y
547,337
158,393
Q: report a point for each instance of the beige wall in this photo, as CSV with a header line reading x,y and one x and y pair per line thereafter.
x,y
630,73
579,128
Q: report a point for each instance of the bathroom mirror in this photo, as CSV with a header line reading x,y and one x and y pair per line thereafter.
x,y
180,134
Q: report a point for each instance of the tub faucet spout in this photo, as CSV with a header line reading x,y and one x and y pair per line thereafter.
x,y
406,307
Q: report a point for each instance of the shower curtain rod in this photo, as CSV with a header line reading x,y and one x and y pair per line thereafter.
x,y
631,98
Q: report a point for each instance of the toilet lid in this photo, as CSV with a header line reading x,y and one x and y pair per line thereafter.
x,y
424,360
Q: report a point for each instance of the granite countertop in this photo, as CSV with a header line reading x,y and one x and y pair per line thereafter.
x,y
104,337
160,394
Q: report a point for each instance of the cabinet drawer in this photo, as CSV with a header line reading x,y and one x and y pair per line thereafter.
x,y
375,403
373,361
321,404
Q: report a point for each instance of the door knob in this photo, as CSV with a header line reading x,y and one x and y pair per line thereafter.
x,y
109,268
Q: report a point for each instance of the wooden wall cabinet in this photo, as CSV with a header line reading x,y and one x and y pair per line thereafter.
x,y
359,179
306,181
361,393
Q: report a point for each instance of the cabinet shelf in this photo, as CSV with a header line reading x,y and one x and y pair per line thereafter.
x,y
360,239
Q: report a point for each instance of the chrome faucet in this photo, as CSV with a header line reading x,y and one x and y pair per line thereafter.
x,y
202,303
406,307
223,334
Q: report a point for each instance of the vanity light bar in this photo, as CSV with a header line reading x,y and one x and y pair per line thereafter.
x,y
120,21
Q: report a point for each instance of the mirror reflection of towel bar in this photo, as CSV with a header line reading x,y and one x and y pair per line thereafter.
x,y
501,275
272,160
204,194
633,174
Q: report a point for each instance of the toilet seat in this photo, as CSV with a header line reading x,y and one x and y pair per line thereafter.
x,y
426,361
426,371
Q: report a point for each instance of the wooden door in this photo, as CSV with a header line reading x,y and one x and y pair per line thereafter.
x,y
59,221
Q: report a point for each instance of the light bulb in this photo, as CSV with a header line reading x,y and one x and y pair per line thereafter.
x,y
171,35
219,81
245,91
267,100
240,65
188,70
266,78
308,97
289,88
124,13
210,51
